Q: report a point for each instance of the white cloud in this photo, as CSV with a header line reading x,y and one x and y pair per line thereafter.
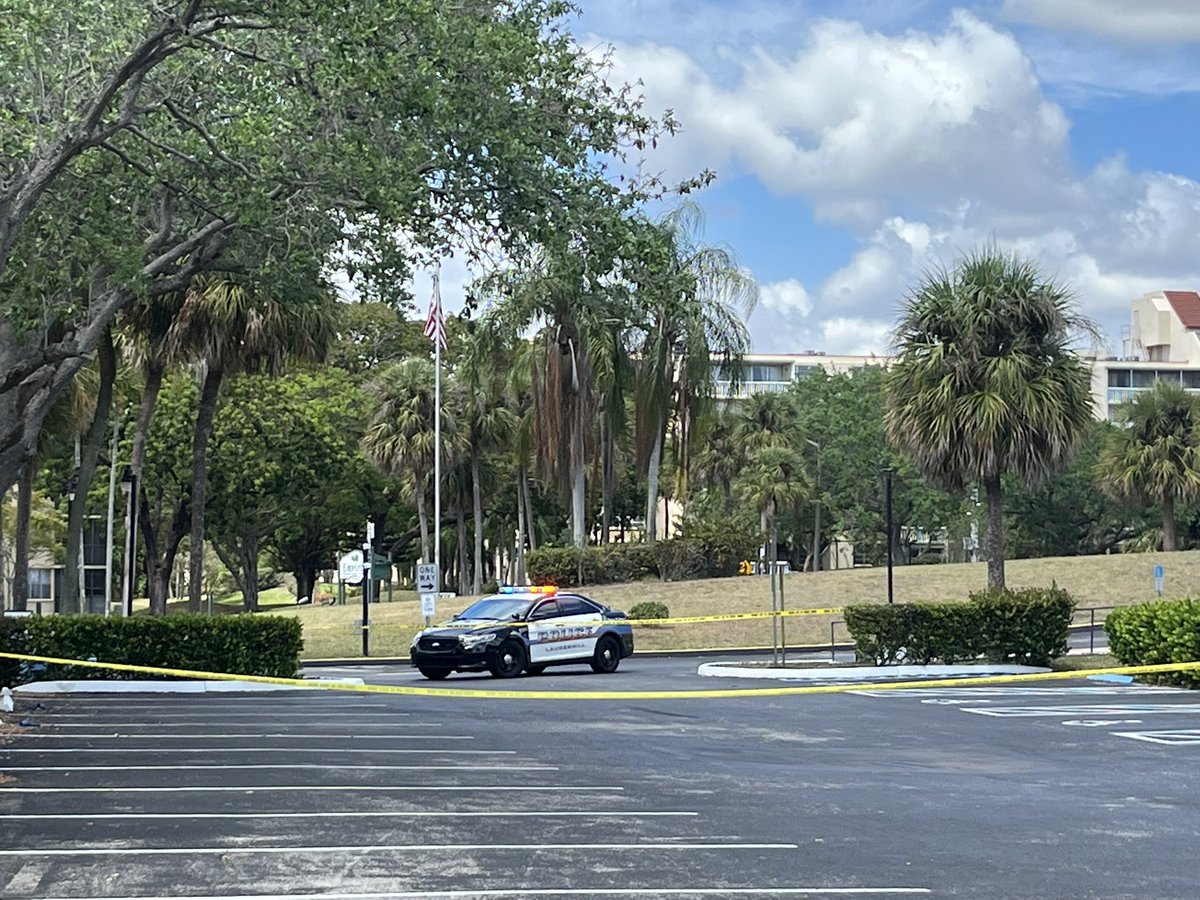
x,y
1153,21
785,296
854,118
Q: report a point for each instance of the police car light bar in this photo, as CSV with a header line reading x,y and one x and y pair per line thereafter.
x,y
529,589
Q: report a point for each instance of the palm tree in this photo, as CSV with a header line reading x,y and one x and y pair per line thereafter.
x,y
718,459
1156,456
774,479
985,382
227,326
766,420
399,439
695,322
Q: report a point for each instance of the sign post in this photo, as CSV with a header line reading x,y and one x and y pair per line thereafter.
x,y
1158,579
368,553
427,581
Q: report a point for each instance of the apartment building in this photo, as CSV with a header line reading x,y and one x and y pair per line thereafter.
x,y
1163,344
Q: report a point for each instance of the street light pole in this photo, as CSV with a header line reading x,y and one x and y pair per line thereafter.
x,y
887,474
817,512
129,484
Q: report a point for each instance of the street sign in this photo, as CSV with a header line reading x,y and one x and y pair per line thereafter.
x,y
1158,579
350,567
429,605
427,578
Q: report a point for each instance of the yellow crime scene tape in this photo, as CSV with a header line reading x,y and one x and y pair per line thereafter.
x,y
714,694
676,620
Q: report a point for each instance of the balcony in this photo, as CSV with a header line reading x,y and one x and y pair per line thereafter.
x,y
726,390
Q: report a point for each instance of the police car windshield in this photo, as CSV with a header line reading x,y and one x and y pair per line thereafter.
x,y
499,607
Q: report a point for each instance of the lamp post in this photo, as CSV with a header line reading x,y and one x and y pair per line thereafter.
x,y
129,485
817,511
887,502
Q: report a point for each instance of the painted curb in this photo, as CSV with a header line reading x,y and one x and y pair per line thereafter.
x,y
859,673
163,687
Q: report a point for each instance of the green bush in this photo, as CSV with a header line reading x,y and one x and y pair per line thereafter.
x,y
1148,634
649,609
243,645
928,559
677,559
1028,627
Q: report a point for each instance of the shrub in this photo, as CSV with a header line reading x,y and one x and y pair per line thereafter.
x,y
1028,627
1148,634
649,609
676,559
243,645
928,559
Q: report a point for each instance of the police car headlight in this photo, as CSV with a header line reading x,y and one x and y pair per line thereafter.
x,y
475,641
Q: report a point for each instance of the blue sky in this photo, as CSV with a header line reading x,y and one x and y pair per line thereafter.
x,y
859,142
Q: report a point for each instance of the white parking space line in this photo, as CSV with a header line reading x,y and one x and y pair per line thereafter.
x,y
359,850
312,722
1139,709
1019,691
275,789
357,814
191,717
225,766
485,894
1184,737
320,735
325,751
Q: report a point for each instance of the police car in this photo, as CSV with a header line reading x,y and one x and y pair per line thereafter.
x,y
524,629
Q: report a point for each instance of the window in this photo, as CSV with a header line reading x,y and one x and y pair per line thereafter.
x,y
1191,380
576,606
95,544
1118,378
1143,378
765,373
1171,377
39,584
546,610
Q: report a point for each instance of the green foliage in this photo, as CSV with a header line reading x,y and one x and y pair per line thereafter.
x,y
649,609
1148,634
1026,627
242,645
677,559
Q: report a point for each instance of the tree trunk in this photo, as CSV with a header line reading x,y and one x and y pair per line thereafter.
x,y
477,512
205,414
519,575
1168,513
249,554
423,519
578,497
3,556
88,459
20,584
607,479
306,582
530,518
160,565
652,471
995,531
463,574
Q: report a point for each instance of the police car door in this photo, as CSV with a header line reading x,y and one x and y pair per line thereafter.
x,y
562,629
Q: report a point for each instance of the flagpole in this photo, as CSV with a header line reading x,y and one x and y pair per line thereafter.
x,y
437,442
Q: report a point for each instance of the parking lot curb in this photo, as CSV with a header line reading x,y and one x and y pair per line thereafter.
x,y
858,673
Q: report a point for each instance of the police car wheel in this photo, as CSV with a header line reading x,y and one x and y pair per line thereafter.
x,y
535,669
433,674
607,656
508,661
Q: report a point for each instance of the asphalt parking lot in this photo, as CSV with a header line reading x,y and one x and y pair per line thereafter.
x,y
1078,790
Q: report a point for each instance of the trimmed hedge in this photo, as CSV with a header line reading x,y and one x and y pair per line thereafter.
x,y
242,645
1147,634
677,559
1027,627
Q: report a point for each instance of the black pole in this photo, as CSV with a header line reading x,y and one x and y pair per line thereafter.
x,y
131,545
887,474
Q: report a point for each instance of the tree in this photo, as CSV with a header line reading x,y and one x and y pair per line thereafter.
x,y
1156,456
695,322
399,438
229,327
355,132
985,382
773,480
280,447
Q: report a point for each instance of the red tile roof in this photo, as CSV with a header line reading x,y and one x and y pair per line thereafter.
x,y
1186,305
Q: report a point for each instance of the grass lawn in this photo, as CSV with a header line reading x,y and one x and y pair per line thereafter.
x,y
1094,581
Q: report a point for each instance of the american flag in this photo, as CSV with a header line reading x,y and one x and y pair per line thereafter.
x,y
435,324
